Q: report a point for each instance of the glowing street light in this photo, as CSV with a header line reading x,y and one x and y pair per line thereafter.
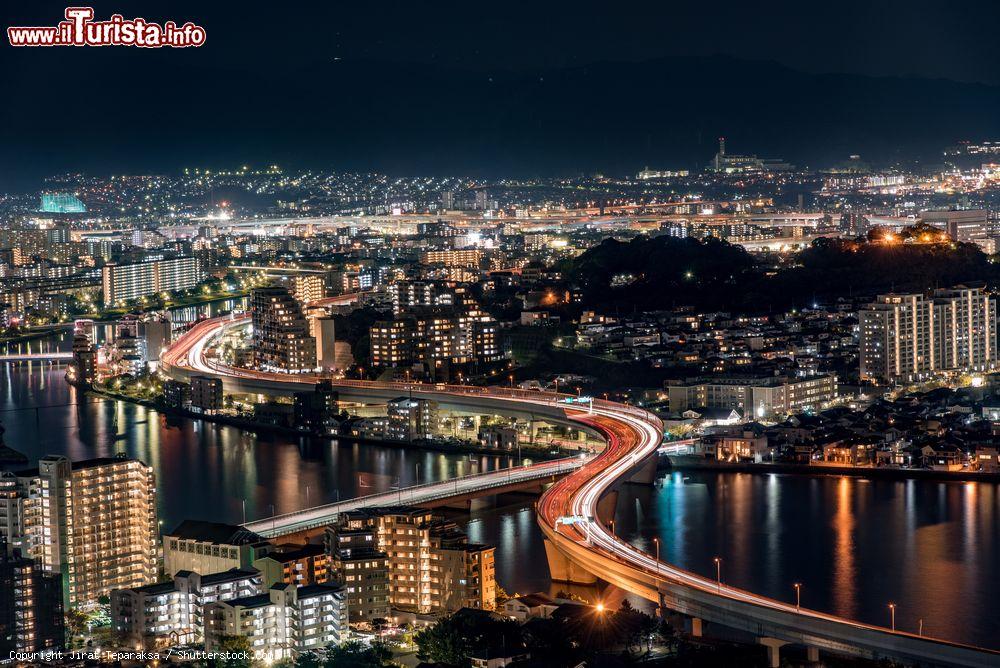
x,y
892,615
718,571
798,596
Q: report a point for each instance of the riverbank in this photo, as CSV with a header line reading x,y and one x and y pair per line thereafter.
x,y
30,336
534,454
695,463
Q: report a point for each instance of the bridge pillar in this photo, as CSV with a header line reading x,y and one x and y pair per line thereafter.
x,y
562,569
646,473
696,630
606,506
812,654
773,646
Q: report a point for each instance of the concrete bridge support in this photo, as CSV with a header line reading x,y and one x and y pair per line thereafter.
x,y
645,474
773,646
696,630
812,654
562,569
606,506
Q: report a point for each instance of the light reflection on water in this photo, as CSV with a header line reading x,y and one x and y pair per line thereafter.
x,y
933,548
206,470
855,545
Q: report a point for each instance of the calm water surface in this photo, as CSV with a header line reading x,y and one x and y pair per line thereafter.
x,y
932,548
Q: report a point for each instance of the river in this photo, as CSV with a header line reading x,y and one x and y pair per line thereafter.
x,y
932,548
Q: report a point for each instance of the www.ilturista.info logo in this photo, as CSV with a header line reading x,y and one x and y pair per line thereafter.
x,y
79,29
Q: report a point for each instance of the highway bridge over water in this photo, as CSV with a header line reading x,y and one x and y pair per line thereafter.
x,y
573,512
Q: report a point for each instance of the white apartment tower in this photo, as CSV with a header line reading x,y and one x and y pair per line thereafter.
x,y
906,337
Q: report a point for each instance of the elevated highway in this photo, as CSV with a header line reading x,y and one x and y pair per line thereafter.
x,y
572,513
428,495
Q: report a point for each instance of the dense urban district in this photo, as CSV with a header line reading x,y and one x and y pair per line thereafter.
x,y
763,317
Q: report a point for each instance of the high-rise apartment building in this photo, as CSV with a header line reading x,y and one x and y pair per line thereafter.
x,y
308,287
122,282
464,257
281,338
432,566
92,521
907,337
31,605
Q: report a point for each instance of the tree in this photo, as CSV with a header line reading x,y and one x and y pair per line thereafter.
x,y
307,660
552,643
444,643
356,654
76,621
238,651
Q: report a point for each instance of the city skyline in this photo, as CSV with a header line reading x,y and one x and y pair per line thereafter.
x,y
500,336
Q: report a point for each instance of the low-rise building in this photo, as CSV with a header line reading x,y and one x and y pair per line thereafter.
x,y
498,437
758,397
211,547
411,419
166,614
357,563
282,622
206,393
303,565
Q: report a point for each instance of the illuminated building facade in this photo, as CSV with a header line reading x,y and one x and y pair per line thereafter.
x,y
908,337
432,566
281,333
93,521
123,282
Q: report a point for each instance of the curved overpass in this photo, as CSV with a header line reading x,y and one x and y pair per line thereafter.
x,y
577,540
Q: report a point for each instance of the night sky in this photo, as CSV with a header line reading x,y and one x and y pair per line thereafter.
x,y
241,97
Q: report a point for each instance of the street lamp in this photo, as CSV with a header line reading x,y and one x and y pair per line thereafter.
x,y
892,616
656,542
613,528
718,571
798,596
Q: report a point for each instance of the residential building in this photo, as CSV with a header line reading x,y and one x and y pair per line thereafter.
x,y
498,437
752,396
412,419
211,547
432,566
470,257
913,336
124,282
317,411
281,338
92,521
206,393
31,605
363,570
297,565
282,622
172,613
435,339
308,288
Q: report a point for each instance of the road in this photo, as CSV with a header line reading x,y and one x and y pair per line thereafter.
x,y
569,519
